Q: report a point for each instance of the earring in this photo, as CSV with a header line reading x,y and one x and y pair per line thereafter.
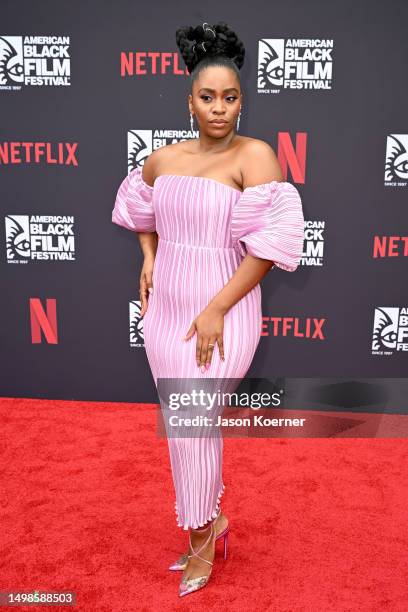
x,y
239,117
191,122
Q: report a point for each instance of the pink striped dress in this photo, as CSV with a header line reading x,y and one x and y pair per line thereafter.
x,y
205,229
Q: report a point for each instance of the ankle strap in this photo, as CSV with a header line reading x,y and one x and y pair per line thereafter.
x,y
195,552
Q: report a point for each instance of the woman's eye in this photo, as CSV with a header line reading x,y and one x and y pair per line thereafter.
x,y
231,98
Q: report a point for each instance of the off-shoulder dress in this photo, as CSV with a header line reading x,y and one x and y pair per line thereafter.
x,y
205,229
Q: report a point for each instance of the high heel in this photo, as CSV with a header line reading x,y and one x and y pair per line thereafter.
x,y
181,562
189,585
225,541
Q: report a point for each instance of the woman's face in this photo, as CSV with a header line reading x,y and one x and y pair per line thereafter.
x,y
216,97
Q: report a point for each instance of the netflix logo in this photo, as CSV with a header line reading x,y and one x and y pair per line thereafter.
x,y
38,153
43,323
142,63
295,327
390,246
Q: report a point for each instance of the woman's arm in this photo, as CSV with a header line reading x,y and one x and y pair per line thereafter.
x,y
261,166
248,274
148,242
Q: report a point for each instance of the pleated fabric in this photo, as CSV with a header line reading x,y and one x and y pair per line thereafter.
x,y
205,229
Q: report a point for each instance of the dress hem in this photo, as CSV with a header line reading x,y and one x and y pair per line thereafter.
x,y
211,516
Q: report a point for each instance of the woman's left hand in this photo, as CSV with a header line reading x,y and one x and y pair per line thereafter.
x,y
209,326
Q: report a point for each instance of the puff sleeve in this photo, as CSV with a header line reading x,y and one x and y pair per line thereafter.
x,y
267,222
134,204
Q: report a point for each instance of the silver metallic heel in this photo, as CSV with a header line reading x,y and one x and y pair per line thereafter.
x,y
190,585
182,561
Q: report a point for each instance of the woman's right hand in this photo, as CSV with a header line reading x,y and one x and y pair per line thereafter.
x,y
146,282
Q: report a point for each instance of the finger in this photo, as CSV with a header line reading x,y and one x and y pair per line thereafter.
x,y
198,350
143,294
190,332
220,342
211,346
204,351
143,300
149,282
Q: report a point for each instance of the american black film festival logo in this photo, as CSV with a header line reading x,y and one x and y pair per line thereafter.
x,y
39,238
141,143
294,63
390,330
34,60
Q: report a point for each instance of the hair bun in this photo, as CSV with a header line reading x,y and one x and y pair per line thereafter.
x,y
195,43
207,35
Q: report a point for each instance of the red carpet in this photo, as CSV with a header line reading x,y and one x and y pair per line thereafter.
x,y
88,505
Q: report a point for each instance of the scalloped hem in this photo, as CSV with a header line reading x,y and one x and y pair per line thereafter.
x,y
211,516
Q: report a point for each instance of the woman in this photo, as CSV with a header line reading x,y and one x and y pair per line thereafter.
x,y
213,216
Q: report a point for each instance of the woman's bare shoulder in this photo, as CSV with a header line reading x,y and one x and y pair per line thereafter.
x,y
156,159
256,146
259,163
166,157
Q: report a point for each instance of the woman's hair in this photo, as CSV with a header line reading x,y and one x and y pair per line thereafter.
x,y
210,45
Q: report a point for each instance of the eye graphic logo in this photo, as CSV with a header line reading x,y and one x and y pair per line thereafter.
x,y
139,147
396,160
270,63
136,323
11,60
390,330
385,328
17,237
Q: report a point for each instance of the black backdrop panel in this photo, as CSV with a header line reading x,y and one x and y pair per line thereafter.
x,y
90,335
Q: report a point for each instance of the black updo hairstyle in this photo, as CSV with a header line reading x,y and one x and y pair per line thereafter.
x,y
200,48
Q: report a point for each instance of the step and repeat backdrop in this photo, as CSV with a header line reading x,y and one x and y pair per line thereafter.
x,y
89,90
